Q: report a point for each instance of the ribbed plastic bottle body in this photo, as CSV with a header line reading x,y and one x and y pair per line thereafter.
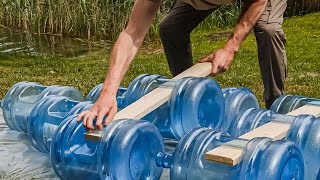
x,y
286,103
45,118
22,97
18,103
72,156
128,149
141,86
188,161
81,106
160,117
237,100
248,120
263,159
195,102
305,133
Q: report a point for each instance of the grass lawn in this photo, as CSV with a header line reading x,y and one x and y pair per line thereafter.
x,y
303,52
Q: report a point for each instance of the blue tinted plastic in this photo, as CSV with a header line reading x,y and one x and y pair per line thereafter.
x,y
47,115
237,100
304,132
71,155
124,151
287,103
263,159
95,93
195,102
129,150
141,86
248,120
23,96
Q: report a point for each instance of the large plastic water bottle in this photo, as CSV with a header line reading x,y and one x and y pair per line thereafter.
x,y
131,149
304,132
47,115
23,96
286,103
123,151
169,115
237,100
263,159
49,112
194,102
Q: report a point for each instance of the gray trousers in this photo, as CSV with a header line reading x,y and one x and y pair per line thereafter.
x,y
175,31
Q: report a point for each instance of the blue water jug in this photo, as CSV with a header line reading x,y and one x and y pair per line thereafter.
x,y
286,103
22,97
194,102
49,112
47,115
131,149
263,159
237,100
122,152
304,132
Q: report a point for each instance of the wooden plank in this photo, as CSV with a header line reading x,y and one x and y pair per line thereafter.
x,y
154,99
275,130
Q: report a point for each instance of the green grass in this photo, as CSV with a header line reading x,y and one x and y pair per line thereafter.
x,y
303,52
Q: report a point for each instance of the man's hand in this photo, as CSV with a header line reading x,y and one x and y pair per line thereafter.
x,y
105,105
221,60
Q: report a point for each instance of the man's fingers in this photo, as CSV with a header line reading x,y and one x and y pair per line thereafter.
x,y
111,114
203,60
80,116
92,115
100,118
85,116
214,70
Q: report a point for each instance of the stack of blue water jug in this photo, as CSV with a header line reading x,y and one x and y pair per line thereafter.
x,y
198,117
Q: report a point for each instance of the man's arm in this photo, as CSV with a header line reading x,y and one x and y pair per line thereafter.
x,y
222,58
125,49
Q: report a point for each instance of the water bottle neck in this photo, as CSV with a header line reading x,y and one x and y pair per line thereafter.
x,y
167,83
282,118
164,160
237,143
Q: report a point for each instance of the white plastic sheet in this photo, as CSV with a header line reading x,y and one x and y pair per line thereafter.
x,y
19,159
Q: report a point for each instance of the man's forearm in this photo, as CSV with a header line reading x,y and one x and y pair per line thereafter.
x,y
251,13
121,57
129,42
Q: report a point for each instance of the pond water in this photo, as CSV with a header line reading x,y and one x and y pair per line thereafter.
x,y
45,44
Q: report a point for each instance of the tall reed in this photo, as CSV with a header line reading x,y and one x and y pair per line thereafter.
x,y
98,19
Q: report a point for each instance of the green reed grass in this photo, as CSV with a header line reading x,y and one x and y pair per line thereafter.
x,y
94,19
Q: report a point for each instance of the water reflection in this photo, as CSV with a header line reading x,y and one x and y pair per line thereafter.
x,y
45,44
